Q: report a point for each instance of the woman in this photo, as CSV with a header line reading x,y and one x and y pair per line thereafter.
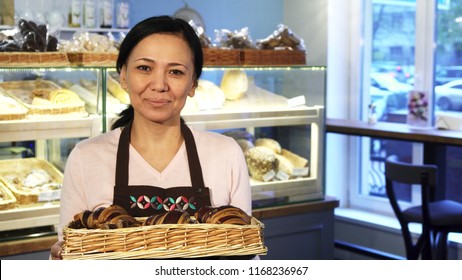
x,y
151,152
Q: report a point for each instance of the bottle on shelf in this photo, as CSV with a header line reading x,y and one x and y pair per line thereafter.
x,y
89,13
122,14
75,13
107,11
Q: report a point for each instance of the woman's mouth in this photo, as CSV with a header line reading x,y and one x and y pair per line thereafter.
x,y
157,102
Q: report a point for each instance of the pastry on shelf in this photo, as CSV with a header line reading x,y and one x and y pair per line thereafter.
x,y
234,84
208,96
284,165
31,180
245,144
262,163
269,143
44,97
297,160
116,90
10,109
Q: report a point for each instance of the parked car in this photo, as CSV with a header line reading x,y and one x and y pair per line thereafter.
x,y
447,74
402,73
398,91
449,96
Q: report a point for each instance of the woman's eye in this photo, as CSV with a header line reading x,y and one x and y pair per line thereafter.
x,y
176,72
143,67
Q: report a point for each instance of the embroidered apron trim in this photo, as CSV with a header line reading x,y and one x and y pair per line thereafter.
x,y
168,204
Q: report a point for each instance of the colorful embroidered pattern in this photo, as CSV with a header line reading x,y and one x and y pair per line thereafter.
x,y
167,204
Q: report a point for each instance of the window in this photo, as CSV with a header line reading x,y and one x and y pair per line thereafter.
x,y
389,57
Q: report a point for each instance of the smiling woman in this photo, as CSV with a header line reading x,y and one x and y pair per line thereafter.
x,y
159,79
151,157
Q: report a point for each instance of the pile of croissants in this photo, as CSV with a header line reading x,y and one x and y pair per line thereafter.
x,y
114,217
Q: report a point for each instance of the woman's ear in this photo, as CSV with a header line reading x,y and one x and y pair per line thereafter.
x,y
123,76
192,92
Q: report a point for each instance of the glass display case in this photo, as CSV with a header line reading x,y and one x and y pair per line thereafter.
x,y
279,108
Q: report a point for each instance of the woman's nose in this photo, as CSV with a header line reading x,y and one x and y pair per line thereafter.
x,y
158,83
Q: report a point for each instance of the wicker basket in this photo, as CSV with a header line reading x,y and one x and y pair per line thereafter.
x,y
33,59
7,199
23,89
221,57
107,59
19,168
164,241
272,57
17,112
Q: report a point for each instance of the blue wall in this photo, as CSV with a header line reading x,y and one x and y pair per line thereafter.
x,y
260,16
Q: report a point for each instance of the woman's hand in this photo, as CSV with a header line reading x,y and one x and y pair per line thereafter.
x,y
56,250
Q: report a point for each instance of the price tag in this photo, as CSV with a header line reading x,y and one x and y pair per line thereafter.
x,y
300,172
49,195
282,176
296,101
269,176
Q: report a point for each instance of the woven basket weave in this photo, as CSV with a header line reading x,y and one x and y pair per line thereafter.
x,y
16,113
20,168
272,57
164,241
221,57
33,59
7,199
107,59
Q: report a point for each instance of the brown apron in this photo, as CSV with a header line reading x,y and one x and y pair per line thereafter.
x,y
143,201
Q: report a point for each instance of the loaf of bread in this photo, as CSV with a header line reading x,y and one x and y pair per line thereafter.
x,y
117,91
226,214
297,161
234,84
245,144
284,165
260,161
269,143
208,96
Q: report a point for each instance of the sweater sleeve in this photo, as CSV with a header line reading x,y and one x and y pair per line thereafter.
x,y
240,195
73,191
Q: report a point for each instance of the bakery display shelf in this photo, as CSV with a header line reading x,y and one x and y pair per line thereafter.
x,y
49,128
257,108
286,191
29,216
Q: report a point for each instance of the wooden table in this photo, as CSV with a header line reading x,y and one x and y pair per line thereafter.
x,y
434,140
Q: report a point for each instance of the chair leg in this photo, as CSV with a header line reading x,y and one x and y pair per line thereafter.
x,y
441,246
427,245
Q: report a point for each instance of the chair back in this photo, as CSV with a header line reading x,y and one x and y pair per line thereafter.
x,y
403,175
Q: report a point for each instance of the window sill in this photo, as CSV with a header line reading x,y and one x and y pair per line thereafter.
x,y
382,222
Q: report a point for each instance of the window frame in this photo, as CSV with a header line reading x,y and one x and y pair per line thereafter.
x,y
360,58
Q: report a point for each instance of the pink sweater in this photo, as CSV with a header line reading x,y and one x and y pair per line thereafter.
x,y
89,174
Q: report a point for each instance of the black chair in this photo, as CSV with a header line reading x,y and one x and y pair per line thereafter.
x,y
438,218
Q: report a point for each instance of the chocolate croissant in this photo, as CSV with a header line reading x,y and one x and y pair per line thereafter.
x,y
171,217
226,214
113,216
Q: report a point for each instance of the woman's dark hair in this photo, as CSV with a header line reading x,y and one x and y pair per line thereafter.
x,y
154,25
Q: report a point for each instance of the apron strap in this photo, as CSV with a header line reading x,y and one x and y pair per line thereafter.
x,y
121,174
195,169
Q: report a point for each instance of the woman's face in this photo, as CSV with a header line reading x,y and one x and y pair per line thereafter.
x,y
159,75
